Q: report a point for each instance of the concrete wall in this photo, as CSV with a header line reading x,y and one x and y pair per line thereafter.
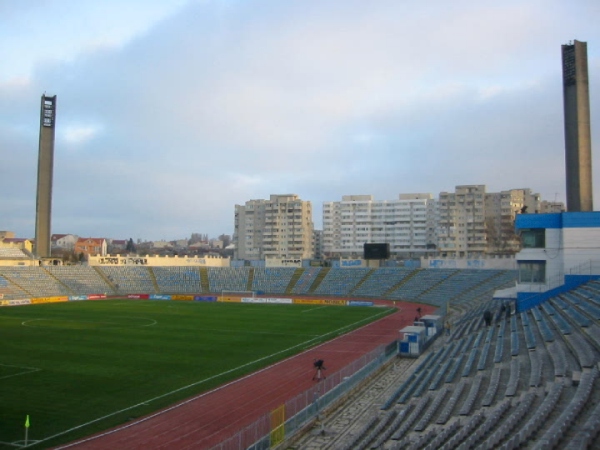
x,y
158,261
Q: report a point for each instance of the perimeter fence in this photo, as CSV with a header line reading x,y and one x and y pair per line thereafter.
x,y
268,430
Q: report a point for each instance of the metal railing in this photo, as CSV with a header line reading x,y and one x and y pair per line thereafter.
x,y
590,267
307,405
556,284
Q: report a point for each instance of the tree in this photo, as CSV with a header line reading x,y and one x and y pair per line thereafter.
x,y
130,246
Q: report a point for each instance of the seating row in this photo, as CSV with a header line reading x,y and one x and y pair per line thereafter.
x,y
178,280
391,283
272,280
340,282
434,392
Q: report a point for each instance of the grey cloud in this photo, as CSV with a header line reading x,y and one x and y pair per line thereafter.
x,y
219,104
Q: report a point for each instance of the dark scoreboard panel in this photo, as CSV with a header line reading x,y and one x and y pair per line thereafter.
x,y
376,251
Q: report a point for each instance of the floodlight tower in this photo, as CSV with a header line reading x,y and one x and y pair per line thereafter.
x,y
44,176
578,140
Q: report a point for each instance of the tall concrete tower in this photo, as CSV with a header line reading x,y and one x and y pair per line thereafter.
x,y
578,140
44,179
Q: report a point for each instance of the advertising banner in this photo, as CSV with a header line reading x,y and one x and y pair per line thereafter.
x,y
229,299
186,298
281,301
345,263
75,298
334,302
21,301
308,301
138,296
205,298
160,297
49,300
359,303
96,296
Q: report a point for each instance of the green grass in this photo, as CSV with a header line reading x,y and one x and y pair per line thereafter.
x,y
68,364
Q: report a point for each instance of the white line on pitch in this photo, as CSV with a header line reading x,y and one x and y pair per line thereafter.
x,y
314,309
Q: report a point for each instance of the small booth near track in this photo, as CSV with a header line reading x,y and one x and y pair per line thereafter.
x,y
416,338
433,324
412,340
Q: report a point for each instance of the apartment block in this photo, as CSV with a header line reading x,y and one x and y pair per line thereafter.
x,y
318,244
407,224
473,222
281,227
501,209
461,226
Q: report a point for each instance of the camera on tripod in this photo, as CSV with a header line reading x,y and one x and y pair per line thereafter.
x,y
318,364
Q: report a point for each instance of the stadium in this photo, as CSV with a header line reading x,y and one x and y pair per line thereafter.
x,y
127,352
527,380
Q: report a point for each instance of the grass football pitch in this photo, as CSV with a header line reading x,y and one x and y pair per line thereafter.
x,y
77,368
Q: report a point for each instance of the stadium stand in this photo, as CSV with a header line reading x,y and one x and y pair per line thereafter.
x,y
360,282
228,278
485,289
529,397
340,282
421,281
380,281
177,280
10,291
529,380
306,280
273,280
130,279
12,253
81,279
455,284
35,281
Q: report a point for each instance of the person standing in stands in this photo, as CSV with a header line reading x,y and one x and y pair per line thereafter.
x,y
487,317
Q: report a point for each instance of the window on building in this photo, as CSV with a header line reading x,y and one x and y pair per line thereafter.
x,y
532,271
533,238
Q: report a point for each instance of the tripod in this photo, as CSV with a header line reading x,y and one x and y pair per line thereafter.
x,y
318,373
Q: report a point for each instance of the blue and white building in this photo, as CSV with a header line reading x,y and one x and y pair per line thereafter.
x,y
560,251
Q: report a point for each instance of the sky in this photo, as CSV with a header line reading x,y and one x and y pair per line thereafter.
x,y
171,112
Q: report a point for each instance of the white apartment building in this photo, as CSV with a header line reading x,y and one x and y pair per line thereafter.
x,y
407,224
281,227
461,226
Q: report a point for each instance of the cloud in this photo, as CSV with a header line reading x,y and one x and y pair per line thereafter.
x,y
165,126
79,134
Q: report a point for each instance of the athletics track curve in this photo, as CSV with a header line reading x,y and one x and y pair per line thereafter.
x,y
208,419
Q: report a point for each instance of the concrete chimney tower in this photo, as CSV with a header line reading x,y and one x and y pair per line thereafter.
x,y
44,178
578,140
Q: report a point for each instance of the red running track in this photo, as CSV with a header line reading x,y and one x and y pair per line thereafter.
x,y
208,419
